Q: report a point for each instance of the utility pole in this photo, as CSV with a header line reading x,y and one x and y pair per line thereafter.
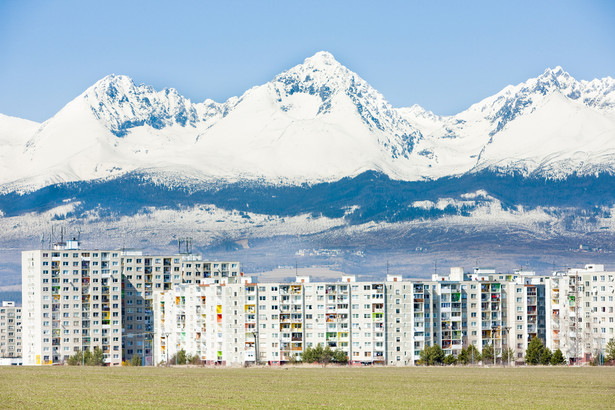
x,y
507,329
579,324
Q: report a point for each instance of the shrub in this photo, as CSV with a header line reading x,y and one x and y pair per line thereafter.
x,y
195,359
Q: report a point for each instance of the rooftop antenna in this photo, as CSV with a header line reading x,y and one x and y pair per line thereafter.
x,y
296,268
42,240
435,267
387,266
187,245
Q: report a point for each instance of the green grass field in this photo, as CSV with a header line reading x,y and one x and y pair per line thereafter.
x,y
288,387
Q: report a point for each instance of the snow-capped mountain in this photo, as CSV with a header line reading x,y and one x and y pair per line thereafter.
x,y
318,121
328,162
14,134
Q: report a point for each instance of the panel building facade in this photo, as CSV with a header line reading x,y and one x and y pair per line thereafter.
x,y
77,299
10,330
386,322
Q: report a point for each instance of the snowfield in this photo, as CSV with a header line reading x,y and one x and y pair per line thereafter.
x,y
317,121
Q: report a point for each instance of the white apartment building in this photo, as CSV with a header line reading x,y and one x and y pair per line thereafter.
x,y
580,311
10,330
482,308
81,299
71,301
143,275
405,321
386,322
130,304
208,321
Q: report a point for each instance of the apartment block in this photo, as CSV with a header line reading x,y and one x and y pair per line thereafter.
x,y
81,299
205,320
128,304
71,301
580,305
386,322
404,321
10,330
390,322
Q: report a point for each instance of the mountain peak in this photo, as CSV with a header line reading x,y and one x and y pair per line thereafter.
x,y
321,67
121,105
555,77
112,82
557,72
321,59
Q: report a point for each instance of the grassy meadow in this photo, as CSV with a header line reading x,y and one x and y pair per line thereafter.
x,y
292,387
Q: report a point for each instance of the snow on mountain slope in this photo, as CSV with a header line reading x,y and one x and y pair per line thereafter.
x,y
73,145
121,106
553,125
556,138
14,132
317,121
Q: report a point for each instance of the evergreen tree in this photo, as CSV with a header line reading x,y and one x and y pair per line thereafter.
x,y
339,356
432,355
610,350
96,358
533,352
463,356
136,361
327,355
558,358
76,359
474,355
545,356
437,354
308,355
181,357
317,353
487,354
424,356
507,355
450,359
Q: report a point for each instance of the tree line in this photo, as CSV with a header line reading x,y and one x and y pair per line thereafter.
x,y
87,358
536,353
323,356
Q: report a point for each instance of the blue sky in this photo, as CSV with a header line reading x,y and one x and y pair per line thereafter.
x,y
443,55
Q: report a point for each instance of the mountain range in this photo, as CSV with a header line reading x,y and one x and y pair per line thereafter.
x,y
316,122
319,158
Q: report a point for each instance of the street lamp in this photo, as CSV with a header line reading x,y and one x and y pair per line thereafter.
x,y
508,350
600,343
166,346
493,329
